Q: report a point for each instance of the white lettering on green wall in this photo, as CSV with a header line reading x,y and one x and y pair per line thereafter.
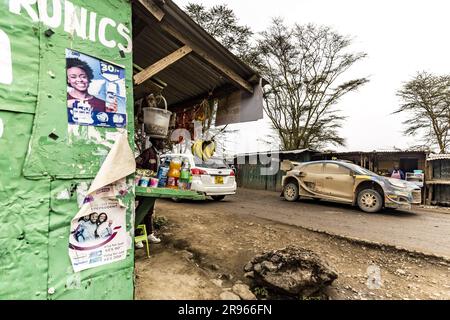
x,y
1,127
55,20
104,22
6,73
15,6
124,32
75,21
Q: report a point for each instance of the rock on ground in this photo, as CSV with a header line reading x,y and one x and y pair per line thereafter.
x,y
227,295
243,291
292,271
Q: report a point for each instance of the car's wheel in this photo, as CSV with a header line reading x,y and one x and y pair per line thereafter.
x,y
217,198
370,200
290,192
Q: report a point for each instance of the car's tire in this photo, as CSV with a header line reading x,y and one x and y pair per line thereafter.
x,y
290,192
217,198
370,200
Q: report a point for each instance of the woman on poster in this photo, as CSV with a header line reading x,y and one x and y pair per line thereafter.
x,y
79,76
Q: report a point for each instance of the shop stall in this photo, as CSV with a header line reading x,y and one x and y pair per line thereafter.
x,y
182,76
83,84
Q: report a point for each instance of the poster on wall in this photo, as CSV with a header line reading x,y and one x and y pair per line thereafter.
x,y
96,92
98,234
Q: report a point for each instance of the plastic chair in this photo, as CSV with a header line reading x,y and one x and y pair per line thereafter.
x,y
142,237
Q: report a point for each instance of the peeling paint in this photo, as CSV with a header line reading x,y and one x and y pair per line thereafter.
x,y
49,164
82,190
63,195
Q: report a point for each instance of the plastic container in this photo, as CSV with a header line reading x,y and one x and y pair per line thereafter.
x,y
137,179
154,183
175,168
157,121
145,181
172,182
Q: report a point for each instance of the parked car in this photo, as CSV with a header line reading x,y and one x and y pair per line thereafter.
x,y
348,183
213,177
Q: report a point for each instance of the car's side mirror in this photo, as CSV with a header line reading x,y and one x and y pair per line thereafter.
x,y
352,173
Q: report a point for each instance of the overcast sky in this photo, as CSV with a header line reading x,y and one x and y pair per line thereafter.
x,y
400,37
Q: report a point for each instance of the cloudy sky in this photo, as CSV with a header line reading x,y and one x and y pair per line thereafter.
x,y
400,37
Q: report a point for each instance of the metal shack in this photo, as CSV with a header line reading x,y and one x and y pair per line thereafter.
x,y
261,170
438,179
52,144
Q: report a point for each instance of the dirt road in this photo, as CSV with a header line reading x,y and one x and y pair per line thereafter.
x,y
422,231
206,245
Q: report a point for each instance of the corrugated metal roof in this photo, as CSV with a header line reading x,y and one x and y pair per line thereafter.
x,y
373,152
189,77
439,156
276,152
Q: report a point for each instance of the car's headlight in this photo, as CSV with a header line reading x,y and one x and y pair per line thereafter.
x,y
398,184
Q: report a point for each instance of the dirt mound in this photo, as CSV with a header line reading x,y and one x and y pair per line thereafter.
x,y
292,271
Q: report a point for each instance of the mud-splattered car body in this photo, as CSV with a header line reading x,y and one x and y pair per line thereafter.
x,y
346,182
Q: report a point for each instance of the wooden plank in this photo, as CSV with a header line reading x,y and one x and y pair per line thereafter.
x,y
228,73
447,182
160,65
151,7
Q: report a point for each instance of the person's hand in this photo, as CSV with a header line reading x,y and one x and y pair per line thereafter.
x,y
110,222
112,107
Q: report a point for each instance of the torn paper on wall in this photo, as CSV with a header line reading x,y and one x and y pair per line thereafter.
x,y
98,233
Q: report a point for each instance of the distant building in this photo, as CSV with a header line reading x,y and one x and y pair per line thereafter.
x,y
380,162
260,170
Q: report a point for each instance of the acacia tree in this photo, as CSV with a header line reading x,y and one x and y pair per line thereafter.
x,y
221,22
426,98
303,65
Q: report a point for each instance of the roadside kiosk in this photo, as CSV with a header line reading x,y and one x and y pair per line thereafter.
x,y
71,73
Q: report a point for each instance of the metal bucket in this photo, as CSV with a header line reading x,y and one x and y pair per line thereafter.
x,y
157,121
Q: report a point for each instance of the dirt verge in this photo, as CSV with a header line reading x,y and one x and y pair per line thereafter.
x,y
205,248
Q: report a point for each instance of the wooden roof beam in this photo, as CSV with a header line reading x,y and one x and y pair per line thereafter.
x,y
227,72
151,7
160,65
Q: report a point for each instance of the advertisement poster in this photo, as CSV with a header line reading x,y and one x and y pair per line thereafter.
x,y
96,92
98,234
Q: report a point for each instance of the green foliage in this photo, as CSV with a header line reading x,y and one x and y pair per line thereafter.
x,y
221,22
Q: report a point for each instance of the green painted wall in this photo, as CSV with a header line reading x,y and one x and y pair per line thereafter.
x,y
36,169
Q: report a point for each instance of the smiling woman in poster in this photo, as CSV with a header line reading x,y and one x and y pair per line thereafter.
x,y
79,76
104,226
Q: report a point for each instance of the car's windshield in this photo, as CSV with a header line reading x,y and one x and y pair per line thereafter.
x,y
212,163
360,170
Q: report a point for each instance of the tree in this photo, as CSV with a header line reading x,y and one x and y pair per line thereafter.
x,y
303,65
427,100
221,23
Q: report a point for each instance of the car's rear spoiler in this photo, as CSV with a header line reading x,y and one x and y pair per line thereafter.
x,y
287,165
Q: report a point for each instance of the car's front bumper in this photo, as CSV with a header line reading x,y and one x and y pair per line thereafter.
x,y
403,200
